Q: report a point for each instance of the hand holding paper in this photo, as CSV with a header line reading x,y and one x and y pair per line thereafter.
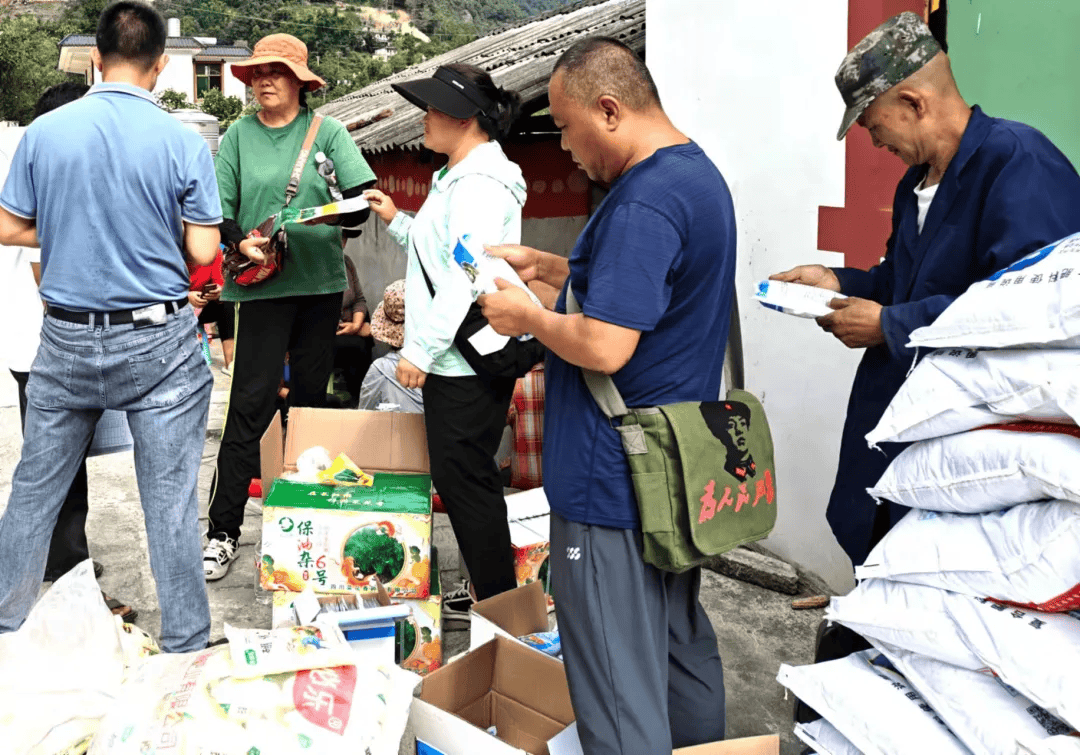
x,y
507,309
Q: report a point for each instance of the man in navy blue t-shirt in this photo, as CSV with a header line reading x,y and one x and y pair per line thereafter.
x,y
654,274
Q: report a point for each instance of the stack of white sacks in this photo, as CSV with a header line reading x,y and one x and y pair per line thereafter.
x,y
972,601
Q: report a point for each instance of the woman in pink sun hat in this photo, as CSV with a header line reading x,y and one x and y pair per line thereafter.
x,y
297,310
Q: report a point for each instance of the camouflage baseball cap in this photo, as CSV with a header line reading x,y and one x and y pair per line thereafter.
x,y
885,57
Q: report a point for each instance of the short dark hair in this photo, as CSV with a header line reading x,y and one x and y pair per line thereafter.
x,y
132,32
596,66
507,102
59,95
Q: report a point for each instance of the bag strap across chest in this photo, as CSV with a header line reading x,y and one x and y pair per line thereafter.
x,y
301,159
607,396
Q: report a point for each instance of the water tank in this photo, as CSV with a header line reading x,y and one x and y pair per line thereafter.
x,y
202,123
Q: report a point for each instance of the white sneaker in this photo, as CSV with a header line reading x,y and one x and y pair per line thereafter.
x,y
457,602
227,371
217,556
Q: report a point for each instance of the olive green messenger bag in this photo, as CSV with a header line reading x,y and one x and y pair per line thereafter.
x,y
703,471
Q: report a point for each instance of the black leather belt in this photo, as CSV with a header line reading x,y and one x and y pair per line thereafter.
x,y
120,317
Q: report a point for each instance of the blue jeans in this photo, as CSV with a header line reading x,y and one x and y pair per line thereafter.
x,y
156,375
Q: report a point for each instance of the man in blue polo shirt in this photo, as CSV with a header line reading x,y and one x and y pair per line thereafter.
x,y
653,272
115,192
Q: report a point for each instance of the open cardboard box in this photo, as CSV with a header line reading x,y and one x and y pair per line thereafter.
x,y
521,692
375,441
308,529
512,614
767,745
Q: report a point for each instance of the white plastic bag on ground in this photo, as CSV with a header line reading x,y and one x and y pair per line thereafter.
x,y
62,669
873,707
983,470
259,652
984,713
1033,302
824,739
1028,554
191,703
954,390
1036,653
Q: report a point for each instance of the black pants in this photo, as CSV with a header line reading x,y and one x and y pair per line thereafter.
x,y
465,418
68,547
352,355
223,314
267,329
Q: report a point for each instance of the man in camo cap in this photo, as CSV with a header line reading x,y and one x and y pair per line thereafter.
x,y
979,194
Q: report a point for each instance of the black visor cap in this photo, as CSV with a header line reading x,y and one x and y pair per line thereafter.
x,y
448,92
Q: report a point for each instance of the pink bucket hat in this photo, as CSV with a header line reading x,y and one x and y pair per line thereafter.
x,y
388,321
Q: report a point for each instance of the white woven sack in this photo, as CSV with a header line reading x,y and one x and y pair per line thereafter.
x,y
873,707
1028,554
1036,653
910,617
1035,302
987,715
953,390
983,470
1064,745
823,738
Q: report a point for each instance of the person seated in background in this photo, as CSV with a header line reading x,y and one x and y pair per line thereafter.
x,y
353,343
381,386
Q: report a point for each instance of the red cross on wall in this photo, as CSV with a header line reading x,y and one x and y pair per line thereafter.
x,y
861,227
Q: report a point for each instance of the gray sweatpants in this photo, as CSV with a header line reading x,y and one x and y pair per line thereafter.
x,y
641,658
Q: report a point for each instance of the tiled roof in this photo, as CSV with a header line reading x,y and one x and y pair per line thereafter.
x,y
226,51
520,58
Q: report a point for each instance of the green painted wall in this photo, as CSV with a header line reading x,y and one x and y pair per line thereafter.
x,y
1020,59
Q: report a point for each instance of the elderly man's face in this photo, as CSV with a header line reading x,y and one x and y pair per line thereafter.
x,y
579,126
893,125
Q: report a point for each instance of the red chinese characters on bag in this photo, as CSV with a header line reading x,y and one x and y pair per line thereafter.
x,y
324,696
736,498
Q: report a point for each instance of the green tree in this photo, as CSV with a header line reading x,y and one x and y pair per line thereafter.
x,y
81,16
175,100
225,109
28,56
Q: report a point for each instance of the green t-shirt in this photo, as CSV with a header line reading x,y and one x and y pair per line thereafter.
x,y
253,166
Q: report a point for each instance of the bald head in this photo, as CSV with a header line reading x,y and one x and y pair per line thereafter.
x,y
600,66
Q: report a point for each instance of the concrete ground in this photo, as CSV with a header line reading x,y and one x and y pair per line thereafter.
x,y
757,629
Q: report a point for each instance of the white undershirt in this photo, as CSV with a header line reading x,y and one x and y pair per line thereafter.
x,y
925,196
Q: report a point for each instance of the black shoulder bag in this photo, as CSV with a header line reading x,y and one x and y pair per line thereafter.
x,y
510,362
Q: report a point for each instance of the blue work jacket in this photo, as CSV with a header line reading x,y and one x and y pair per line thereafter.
x,y
1007,192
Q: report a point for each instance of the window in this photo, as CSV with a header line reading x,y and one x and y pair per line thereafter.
x,y
207,77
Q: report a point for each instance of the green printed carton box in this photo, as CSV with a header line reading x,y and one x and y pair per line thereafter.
x,y
419,637
310,531
337,539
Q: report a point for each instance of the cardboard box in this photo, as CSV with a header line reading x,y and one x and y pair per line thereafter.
x,y
419,635
314,535
531,541
767,745
512,614
528,504
370,631
504,684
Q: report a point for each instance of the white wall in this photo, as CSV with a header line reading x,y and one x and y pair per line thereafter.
x,y
179,74
753,84
232,86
